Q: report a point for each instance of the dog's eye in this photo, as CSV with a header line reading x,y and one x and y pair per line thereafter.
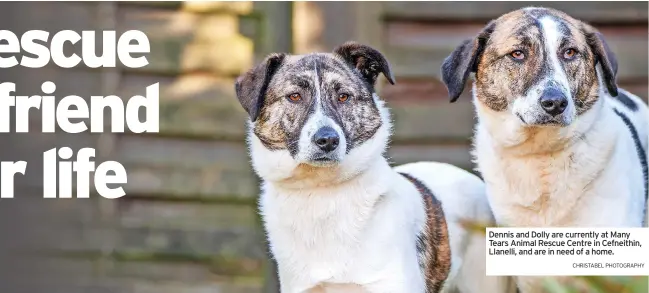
x,y
295,97
518,55
569,53
343,98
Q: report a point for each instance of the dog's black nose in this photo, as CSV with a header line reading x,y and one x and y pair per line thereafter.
x,y
326,138
553,101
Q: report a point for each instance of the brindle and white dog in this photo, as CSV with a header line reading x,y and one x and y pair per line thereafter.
x,y
557,142
338,217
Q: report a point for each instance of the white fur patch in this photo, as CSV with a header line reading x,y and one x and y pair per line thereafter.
x,y
552,39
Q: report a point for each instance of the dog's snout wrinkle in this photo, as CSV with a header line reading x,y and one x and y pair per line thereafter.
x,y
326,138
553,101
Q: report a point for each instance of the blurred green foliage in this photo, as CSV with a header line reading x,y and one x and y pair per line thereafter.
x,y
598,284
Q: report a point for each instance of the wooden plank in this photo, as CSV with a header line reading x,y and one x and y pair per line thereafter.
x,y
180,273
218,183
176,168
226,237
454,154
158,270
229,235
639,88
232,252
275,28
38,224
117,285
429,121
51,282
180,169
416,62
409,91
184,41
429,35
331,23
630,46
42,268
204,7
175,287
66,272
421,111
188,216
418,49
160,151
155,4
600,12
238,7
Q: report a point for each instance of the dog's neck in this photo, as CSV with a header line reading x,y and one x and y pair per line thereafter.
x,y
317,216
307,178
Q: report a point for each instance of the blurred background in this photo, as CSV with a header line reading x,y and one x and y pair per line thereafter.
x,y
189,221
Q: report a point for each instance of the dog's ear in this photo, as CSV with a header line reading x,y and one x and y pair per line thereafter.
x,y
367,60
463,61
604,56
251,86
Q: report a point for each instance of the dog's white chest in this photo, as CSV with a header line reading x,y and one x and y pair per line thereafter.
x,y
329,243
534,191
581,185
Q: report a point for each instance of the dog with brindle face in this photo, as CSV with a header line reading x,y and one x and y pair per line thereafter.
x,y
557,142
338,217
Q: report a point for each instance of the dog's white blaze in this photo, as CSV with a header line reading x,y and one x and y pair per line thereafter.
x,y
316,121
552,38
317,83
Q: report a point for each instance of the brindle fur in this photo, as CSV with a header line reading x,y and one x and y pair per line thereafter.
x,y
499,80
432,243
352,69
